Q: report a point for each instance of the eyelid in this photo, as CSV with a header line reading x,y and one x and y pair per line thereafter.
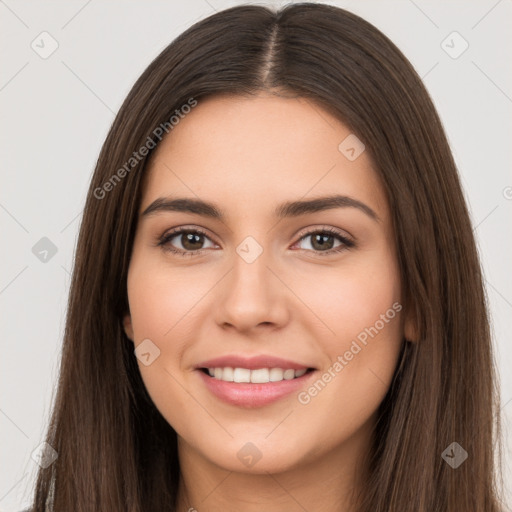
x,y
347,241
310,230
171,233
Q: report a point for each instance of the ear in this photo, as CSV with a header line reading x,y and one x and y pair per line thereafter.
x,y
127,325
411,327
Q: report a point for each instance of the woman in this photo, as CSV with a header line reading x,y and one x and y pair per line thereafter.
x,y
277,302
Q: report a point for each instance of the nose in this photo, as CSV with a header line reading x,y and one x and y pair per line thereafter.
x,y
253,296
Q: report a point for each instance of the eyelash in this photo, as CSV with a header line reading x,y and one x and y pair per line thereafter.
x,y
167,237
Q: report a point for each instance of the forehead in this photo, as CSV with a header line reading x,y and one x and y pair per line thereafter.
x,y
246,152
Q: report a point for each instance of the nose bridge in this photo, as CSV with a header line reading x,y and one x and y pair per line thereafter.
x,y
250,275
250,264
252,294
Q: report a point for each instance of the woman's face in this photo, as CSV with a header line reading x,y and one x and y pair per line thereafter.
x,y
277,282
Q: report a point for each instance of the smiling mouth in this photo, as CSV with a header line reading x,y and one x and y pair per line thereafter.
x,y
254,376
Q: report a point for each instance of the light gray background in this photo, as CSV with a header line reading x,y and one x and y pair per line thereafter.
x,y
55,116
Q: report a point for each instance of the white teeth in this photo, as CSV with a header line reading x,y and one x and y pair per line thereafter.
x,y
289,374
276,374
259,376
228,374
241,375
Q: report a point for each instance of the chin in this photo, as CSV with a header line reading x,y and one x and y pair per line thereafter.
x,y
257,456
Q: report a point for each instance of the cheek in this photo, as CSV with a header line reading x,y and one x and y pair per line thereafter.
x,y
159,300
353,297
159,305
361,307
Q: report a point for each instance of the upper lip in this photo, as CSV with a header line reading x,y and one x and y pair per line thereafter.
x,y
251,363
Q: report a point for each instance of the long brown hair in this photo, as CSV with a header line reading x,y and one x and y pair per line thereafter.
x,y
115,450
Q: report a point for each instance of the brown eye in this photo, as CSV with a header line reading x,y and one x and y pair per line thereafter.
x,y
191,241
184,241
323,241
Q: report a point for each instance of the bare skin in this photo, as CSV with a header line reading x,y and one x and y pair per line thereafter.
x,y
249,155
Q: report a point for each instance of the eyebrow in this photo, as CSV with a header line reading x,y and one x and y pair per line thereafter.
x,y
287,209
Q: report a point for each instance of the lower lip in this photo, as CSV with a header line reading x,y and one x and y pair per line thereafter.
x,y
246,394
